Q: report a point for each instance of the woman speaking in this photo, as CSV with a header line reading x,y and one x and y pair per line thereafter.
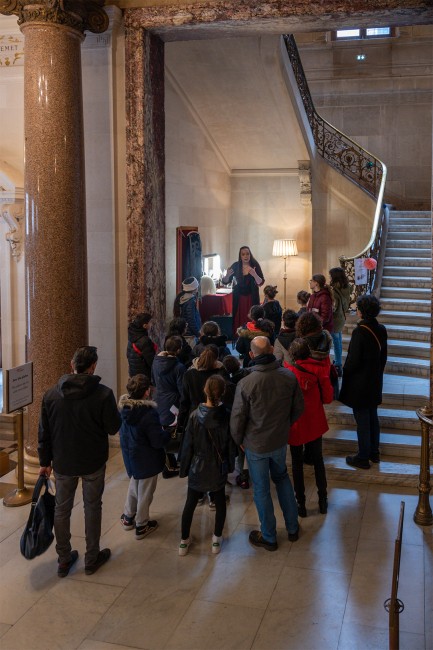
x,y
248,278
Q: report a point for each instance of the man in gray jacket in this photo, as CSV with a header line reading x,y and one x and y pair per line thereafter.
x,y
266,404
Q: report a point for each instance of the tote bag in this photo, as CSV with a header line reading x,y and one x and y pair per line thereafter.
x,y
38,533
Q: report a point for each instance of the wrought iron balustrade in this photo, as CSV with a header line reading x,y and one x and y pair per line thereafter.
x,y
352,161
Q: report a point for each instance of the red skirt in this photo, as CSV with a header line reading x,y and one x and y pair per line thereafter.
x,y
241,316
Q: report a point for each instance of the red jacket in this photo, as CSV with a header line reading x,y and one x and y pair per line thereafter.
x,y
321,303
317,390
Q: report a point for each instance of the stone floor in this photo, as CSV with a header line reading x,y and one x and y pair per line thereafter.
x,y
324,592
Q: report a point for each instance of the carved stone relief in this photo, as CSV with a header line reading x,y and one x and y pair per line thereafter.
x,y
305,181
82,15
12,207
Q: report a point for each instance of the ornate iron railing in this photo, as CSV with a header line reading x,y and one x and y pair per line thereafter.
x,y
352,161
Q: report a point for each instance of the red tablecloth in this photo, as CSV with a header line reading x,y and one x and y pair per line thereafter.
x,y
220,304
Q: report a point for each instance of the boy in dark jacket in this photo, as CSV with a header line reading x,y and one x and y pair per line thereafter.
x,y
142,440
233,367
140,350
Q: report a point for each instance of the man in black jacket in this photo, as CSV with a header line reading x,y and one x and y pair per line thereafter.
x,y
76,416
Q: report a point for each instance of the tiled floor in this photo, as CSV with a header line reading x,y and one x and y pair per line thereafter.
x,y
324,592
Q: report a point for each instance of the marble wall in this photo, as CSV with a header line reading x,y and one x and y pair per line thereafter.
x,y
265,208
197,185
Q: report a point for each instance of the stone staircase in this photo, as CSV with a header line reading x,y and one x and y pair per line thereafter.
x,y
406,311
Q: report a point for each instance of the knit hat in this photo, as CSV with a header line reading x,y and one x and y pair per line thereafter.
x,y
190,284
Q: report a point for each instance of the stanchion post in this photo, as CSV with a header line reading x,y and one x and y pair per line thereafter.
x,y
423,513
21,495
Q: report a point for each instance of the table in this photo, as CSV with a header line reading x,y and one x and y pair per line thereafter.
x,y
219,304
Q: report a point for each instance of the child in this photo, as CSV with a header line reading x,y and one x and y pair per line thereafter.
x,y
272,307
258,325
142,440
185,306
313,378
233,367
207,458
302,298
286,336
211,333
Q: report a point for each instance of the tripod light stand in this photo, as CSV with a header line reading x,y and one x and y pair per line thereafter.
x,y
284,248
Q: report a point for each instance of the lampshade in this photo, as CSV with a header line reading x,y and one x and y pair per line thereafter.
x,y
284,248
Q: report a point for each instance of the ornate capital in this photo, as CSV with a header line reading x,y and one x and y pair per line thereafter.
x,y
305,181
82,15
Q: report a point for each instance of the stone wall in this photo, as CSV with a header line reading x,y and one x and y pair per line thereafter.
x,y
383,102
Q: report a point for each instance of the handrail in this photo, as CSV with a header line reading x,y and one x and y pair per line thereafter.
x,y
394,605
349,159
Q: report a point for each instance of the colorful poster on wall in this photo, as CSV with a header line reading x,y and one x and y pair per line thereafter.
x,y
361,273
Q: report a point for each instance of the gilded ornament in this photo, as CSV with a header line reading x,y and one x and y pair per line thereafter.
x,y
82,15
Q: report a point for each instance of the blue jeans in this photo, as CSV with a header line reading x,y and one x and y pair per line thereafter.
x,y
272,463
93,488
338,348
368,431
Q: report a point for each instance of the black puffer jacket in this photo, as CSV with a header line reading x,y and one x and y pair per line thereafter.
x,y
142,438
77,416
139,363
206,436
167,376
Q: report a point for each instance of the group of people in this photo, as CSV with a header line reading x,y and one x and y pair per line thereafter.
x,y
193,400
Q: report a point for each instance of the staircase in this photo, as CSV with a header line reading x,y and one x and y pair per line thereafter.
x,y
406,311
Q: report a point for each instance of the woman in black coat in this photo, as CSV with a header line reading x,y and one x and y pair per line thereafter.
x,y
140,350
363,380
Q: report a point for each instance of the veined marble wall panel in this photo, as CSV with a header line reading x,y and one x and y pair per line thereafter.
x,y
197,187
265,208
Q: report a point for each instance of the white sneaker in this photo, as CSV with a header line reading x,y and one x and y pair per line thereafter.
x,y
184,545
216,544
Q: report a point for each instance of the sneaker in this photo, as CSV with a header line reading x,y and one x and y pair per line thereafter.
x,y
64,567
200,502
128,523
212,505
355,461
184,545
143,531
256,539
103,557
293,537
216,544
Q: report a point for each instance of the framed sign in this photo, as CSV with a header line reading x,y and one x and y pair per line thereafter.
x,y
361,273
19,387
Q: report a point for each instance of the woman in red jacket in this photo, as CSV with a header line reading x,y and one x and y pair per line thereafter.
x,y
320,301
313,378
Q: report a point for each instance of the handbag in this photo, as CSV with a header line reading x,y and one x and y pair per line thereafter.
x,y
38,533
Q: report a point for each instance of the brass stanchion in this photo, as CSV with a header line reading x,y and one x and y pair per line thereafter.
x,y
21,495
423,513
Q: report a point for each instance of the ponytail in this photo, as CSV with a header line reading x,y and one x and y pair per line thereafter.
x,y
214,389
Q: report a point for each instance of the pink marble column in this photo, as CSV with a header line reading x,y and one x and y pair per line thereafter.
x,y
56,256
145,177
55,251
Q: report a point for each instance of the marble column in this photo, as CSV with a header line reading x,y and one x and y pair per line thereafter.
x,y
145,177
55,244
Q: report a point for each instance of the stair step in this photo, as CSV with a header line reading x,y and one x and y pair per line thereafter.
x,y
403,419
406,281
405,317
410,230
401,347
410,332
405,292
417,263
416,244
403,304
389,472
408,366
405,270
393,442
399,251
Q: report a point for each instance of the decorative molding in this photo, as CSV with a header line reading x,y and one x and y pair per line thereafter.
x,y
11,50
12,206
13,215
80,15
304,171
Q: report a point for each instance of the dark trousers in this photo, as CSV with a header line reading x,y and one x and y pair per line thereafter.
x,y
313,450
368,430
192,498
